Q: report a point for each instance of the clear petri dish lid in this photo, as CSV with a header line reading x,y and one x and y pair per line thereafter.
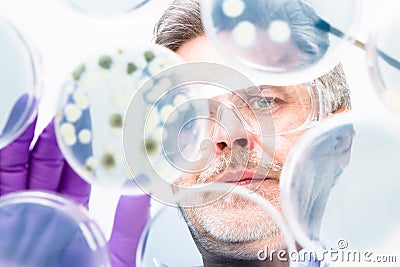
x,y
286,42
91,108
174,122
19,83
384,56
39,229
105,7
166,241
239,227
339,189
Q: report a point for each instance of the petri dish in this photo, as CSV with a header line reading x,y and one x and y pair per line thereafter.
x,y
175,121
19,85
39,229
339,189
154,252
105,7
286,42
384,57
91,108
229,235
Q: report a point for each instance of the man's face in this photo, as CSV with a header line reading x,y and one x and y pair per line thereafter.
x,y
232,226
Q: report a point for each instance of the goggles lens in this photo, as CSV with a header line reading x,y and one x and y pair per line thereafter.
x,y
263,110
269,110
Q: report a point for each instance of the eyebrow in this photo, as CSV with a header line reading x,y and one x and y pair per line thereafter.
x,y
282,89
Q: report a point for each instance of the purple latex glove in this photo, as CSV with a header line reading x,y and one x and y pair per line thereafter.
x,y
131,217
43,168
48,170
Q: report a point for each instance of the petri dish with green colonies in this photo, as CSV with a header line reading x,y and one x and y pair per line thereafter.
x,y
285,42
19,83
105,7
91,108
56,233
339,188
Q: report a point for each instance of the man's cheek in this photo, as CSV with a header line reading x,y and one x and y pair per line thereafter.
x,y
283,145
185,180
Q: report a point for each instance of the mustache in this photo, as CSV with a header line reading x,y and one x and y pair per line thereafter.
x,y
241,159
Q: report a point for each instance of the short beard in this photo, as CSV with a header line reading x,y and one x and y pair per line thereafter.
x,y
215,218
227,224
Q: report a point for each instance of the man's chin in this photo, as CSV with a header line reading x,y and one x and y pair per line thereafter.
x,y
246,249
237,224
235,227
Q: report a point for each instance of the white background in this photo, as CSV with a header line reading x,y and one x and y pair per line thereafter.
x,y
64,37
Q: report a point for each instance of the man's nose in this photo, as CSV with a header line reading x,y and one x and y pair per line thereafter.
x,y
230,131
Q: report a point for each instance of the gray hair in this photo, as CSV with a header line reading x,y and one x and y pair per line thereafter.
x,y
181,22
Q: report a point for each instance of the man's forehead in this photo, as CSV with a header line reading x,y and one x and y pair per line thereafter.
x,y
202,49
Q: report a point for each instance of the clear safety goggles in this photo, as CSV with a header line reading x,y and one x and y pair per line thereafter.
x,y
261,110
269,110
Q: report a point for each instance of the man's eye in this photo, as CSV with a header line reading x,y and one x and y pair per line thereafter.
x,y
258,103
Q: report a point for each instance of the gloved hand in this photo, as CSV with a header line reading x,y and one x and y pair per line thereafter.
x,y
44,168
131,217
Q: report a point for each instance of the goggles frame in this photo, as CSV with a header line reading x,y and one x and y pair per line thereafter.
x,y
318,111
